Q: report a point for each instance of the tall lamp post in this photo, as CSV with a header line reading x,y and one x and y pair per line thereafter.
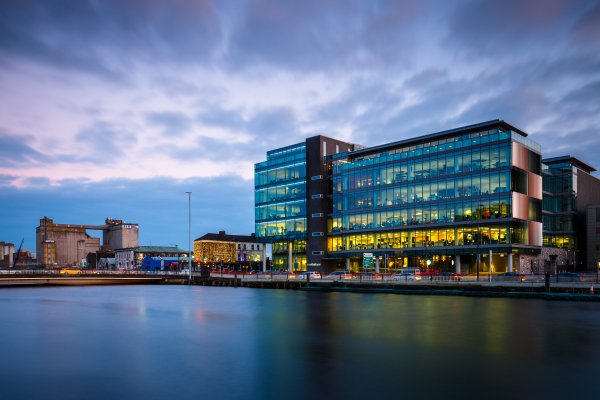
x,y
190,235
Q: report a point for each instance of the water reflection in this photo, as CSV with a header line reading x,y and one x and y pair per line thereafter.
x,y
155,342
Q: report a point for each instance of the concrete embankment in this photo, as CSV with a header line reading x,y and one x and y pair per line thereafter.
x,y
75,281
572,293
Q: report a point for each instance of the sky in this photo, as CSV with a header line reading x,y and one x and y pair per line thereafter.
x,y
116,108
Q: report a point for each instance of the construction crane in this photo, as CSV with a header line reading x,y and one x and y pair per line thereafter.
x,y
17,255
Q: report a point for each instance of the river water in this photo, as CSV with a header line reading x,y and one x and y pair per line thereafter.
x,y
181,342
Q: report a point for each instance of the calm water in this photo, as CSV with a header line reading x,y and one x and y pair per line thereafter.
x,y
179,342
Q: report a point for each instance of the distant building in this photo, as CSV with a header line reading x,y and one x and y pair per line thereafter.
x,y
569,191
226,248
593,238
7,251
106,263
25,259
68,244
132,258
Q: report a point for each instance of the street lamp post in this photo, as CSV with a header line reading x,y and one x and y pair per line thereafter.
x,y
190,235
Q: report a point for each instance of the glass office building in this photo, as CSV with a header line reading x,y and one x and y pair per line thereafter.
x,y
464,200
444,201
292,202
280,204
569,189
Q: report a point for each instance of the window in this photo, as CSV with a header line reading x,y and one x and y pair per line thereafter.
x,y
316,177
317,253
316,196
317,233
318,215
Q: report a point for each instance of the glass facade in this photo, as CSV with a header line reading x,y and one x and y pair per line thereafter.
x,y
435,197
431,199
560,213
280,204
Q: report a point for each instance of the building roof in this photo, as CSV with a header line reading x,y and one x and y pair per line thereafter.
x,y
571,160
156,249
224,237
440,135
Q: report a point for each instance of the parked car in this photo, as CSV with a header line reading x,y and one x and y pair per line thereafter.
x,y
70,271
511,276
406,276
312,274
338,275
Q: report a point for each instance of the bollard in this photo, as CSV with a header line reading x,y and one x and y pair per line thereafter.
x,y
592,289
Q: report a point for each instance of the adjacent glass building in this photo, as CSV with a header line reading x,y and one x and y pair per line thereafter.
x,y
292,201
569,189
280,204
444,201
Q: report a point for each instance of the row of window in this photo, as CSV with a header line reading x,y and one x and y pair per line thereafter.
x,y
505,233
558,204
283,156
291,192
457,211
292,227
465,186
279,175
294,209
298,246
280,262
444,164
433,147
567,242
243,247
558,222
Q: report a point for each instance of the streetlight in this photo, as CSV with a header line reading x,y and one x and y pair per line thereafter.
x,y
190,234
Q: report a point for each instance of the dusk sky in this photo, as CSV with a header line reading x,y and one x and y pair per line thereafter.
x,y
116,108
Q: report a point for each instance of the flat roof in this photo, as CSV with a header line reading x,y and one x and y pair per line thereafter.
x,y
570,159
440,135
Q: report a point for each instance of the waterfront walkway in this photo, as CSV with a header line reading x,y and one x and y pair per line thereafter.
x,y
568,287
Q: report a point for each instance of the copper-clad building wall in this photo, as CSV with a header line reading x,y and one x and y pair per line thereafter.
x,y
520,156
534,185
535,233
520,206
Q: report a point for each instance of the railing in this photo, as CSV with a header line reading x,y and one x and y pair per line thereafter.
x,y
565,279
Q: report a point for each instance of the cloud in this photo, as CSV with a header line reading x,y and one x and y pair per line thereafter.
x,y
316,35
15,151
108,37
172,123
7,180
587,28
103,143
492,28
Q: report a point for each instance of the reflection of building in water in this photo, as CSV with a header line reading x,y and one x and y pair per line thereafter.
x,y
435,201
68,244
